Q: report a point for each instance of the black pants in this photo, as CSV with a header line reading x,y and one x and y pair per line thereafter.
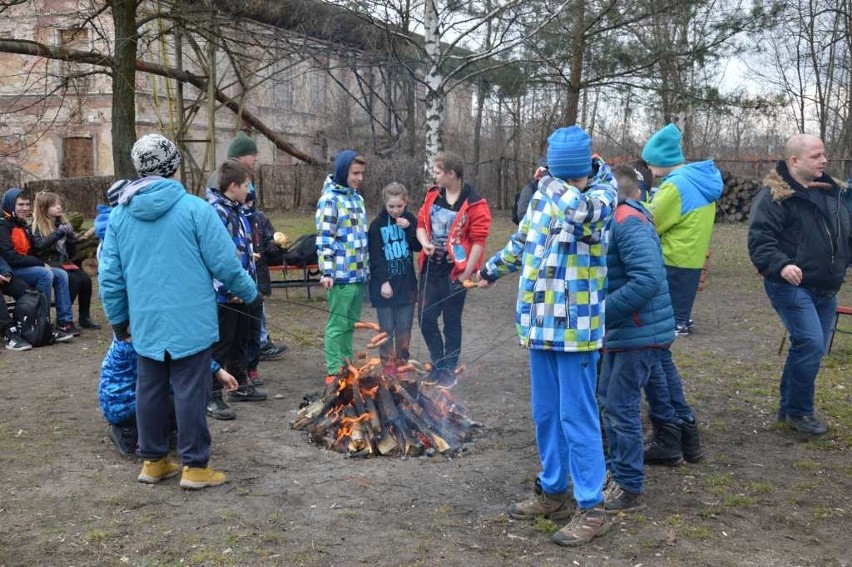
x,y
14,288
253,342
189,379
442,297
230,350
80,288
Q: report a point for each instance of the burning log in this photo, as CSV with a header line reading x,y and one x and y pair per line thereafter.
x,y
367,412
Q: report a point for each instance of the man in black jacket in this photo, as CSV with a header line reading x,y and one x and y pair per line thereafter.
x,y
799,240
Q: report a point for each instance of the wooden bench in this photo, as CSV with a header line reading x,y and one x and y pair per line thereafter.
x,y
306,276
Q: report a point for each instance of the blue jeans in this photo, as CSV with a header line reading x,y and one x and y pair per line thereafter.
x,y
567,425
264,331
623,375
683,287
189,378
42,279
396,321
808,317
664,392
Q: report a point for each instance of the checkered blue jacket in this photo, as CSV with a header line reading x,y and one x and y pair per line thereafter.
x,y
560,249
342,228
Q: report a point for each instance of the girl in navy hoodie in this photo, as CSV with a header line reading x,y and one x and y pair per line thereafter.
x,y
393,284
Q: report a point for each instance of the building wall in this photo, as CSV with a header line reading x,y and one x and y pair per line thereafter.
x,y
299,99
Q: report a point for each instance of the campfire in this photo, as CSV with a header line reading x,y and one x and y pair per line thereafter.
x,y
373,409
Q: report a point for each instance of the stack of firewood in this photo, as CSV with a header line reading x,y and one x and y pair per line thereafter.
x,y
380,409
735,203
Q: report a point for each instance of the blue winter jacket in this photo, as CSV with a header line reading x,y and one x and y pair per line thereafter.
x,y
117,385
560,248
638,307
162,249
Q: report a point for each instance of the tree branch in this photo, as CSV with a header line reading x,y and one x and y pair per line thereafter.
x,y
36,49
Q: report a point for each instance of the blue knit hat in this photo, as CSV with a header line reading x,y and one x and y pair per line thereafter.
x,y
569,153
663,148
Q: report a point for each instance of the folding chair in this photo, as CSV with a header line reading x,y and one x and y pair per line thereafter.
x,y
841,310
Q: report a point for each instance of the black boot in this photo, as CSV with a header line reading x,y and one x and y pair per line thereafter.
x,y
664,448
690,442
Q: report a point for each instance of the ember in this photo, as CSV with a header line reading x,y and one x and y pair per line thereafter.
x,y
376,410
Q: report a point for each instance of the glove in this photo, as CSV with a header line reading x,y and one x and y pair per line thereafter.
x,y
257,303
486,276
66,228
121,331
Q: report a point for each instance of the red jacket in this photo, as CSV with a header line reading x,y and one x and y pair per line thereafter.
x,y
470,227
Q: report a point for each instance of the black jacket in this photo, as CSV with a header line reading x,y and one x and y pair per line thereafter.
x,y
392,259
809,227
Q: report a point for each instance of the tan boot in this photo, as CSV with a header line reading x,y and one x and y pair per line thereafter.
x,y
583,527
551,506
197,477
155,471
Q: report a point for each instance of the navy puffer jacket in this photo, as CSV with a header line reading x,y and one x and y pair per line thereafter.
x,y
638,307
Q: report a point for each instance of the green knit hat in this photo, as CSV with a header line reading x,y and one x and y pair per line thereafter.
x,y
241,146
663,148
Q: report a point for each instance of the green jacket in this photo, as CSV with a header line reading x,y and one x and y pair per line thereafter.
x,y
684,209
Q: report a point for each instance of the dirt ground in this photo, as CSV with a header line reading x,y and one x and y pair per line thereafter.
x,y
762,497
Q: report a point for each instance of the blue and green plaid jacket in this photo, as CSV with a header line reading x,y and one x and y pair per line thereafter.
x,y
560,249
342,228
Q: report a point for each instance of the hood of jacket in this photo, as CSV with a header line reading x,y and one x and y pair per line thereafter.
x,y
782,185
9,198
341,166
700,183
150,198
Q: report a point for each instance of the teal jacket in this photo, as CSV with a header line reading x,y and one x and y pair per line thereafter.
x,y
684,209
161,251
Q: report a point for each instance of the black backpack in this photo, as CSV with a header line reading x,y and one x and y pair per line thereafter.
x,y
302,252
32,313
516,218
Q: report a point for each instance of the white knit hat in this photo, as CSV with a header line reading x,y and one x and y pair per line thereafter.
x,y
153,154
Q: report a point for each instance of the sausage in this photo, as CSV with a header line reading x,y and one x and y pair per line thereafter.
x,y
367,325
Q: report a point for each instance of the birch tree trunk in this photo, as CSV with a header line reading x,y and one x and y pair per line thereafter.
x,y
434,82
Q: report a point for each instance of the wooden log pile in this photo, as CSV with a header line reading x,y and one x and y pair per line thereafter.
x,y
735,203
374,410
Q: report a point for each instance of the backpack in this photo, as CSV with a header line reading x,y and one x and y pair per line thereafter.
x,y
302,252
516,218
32,313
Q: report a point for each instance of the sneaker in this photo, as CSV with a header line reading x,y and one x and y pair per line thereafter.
x,y
247,393
583,527
254,377
682,330
807,424
61,336
690,325
87,323
69,328
194,478
550,506
155,471
616,499
125,439
271,351
218,409
14,341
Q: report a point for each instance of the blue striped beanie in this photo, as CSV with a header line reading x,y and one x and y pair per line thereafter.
x,y
569,153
